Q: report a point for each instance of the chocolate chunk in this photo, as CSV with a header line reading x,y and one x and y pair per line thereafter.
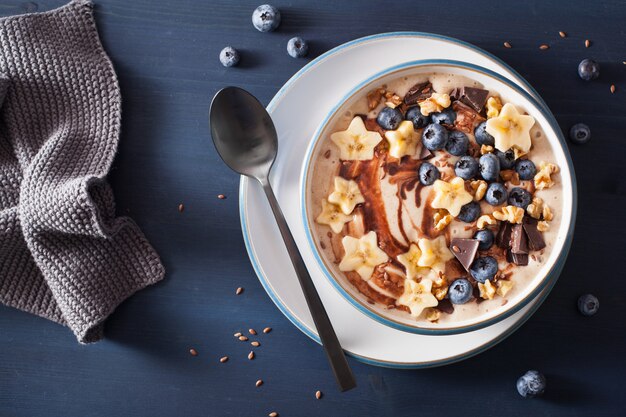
x,y
520,259
535,237
464,250
519,241
476,98
425,153
503,238
418,92
456,94
466,117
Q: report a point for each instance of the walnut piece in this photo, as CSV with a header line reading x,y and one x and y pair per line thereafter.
x,y
543,226
510,175
487,290
484,149
494,105
432,314
510,214
547,213
543,178
441,219
435,103
535,209
504,287
485,220
440,288
373,98
480,188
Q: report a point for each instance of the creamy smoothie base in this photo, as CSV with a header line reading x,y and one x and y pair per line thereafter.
x,y
393,204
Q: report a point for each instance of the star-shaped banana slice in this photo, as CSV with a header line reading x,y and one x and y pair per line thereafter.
x,y
332,216
356,142
451,195
435,253
511,129
346,195
403,140
410,262
417,296
362,255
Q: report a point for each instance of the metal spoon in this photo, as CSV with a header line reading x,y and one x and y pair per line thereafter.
x,y
246,140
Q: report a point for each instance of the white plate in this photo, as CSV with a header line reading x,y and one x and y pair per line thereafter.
x,y
297,110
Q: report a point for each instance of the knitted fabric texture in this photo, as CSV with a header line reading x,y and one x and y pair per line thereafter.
x,y
63,253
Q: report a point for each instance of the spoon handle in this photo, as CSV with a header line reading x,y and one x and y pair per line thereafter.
x,y
334,352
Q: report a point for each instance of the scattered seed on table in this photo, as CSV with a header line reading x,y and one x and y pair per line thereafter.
x,y
612,88
507,45
252,331
193,352
221,196
259,383
318,394
563,34
239,291
587,43
181,207
273,414
251,355
243,338
255,344
224,359
267,330
543,47
237,334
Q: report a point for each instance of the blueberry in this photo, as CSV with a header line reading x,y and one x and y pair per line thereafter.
x,y
460,291
389,118
525,168
415,115
496,194
489,167
446,117
588,69
519,197
484,268
481,135
588,304
507,159
469,212
297,47
531,384
434,137
229,57
466,167
266,18
428,173
485,239
580,133
457,143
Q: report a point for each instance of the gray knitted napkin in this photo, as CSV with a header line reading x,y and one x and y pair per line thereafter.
x,y
63,253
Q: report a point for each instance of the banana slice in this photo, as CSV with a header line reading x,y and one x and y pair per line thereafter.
x,y
417,296
511,129
346,195
403,140
356,142
451,195
410,261
435,254
362,255
332,216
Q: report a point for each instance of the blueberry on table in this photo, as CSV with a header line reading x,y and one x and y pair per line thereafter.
x,y
389,119
466,167
519,197
266,18
460,291
496,194
526,169
447,117
414,114
481,135
531,384
485,239
229,56
507,159
297,47
588,69
489,167
458,143
484,268
580,133
434,137
428,173
588,304
469,212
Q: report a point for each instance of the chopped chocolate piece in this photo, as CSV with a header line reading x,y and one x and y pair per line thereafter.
x,y
474,97
425,153
445,306
418,92
519,241
466,117
535,237
503,239
520,259
456,94
464,250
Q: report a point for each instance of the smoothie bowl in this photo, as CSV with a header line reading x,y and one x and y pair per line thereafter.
x,y
439,197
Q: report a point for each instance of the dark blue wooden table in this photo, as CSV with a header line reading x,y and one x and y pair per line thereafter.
x,y
165,53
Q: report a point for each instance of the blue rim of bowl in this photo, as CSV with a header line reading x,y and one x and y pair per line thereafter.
x,y
361,306
257,269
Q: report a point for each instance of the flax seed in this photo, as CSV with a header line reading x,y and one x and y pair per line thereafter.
x,y
543,47
181,207
237,334
318,394
612,88
267,330
193,352
224,359
563,34
221,196
259,383
587,43
252,331
251,355
255,344
239,291
273,414
507,45
243,338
